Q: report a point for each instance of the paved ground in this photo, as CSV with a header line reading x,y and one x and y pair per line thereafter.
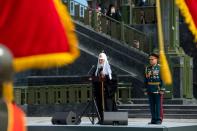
x,y
134,122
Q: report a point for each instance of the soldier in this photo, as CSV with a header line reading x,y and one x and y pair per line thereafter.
x,y
11,116
154,89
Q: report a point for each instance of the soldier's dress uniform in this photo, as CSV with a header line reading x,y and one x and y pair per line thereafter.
x,y
11,116
153,86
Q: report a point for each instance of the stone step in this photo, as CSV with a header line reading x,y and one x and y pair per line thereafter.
x,y
166,111
146,106
166,101
170,116
177,111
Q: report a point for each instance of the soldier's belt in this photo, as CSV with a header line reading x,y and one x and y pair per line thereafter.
x,y
153,83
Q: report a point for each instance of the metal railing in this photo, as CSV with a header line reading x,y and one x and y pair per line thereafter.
x,y
147,12
107,25
62,94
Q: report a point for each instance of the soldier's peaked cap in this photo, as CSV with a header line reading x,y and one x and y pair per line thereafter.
x,y
155,55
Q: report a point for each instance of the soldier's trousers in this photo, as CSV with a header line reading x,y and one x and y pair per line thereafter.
x,y
155,106
161,106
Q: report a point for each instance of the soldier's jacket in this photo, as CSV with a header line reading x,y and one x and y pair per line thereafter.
x,y
12,117
153,81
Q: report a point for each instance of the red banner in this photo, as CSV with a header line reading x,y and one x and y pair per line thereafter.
x,y
189,11
39,33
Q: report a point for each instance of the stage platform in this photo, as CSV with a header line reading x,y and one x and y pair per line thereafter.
x,y
139,124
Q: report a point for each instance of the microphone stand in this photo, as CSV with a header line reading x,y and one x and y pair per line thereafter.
x,y
91,104
90,69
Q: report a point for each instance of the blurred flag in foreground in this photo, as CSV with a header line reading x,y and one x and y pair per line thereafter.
x,y
188,9
39,33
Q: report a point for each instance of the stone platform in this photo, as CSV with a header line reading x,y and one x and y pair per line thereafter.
x,y
44,124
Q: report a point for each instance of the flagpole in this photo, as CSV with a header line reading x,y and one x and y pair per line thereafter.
x,y
165,71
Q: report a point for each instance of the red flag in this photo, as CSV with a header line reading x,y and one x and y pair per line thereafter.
x,y
189,11
39,33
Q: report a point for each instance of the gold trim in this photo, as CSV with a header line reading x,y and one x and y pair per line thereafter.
x,y
153,83
10,116
51,60
188,17
8,91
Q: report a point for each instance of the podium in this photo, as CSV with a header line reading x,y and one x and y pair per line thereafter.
x,y
100,81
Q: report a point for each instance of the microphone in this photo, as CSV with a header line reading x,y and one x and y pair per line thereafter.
x,y
90,69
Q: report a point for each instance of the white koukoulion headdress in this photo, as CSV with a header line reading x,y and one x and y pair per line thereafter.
x,y
106,67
